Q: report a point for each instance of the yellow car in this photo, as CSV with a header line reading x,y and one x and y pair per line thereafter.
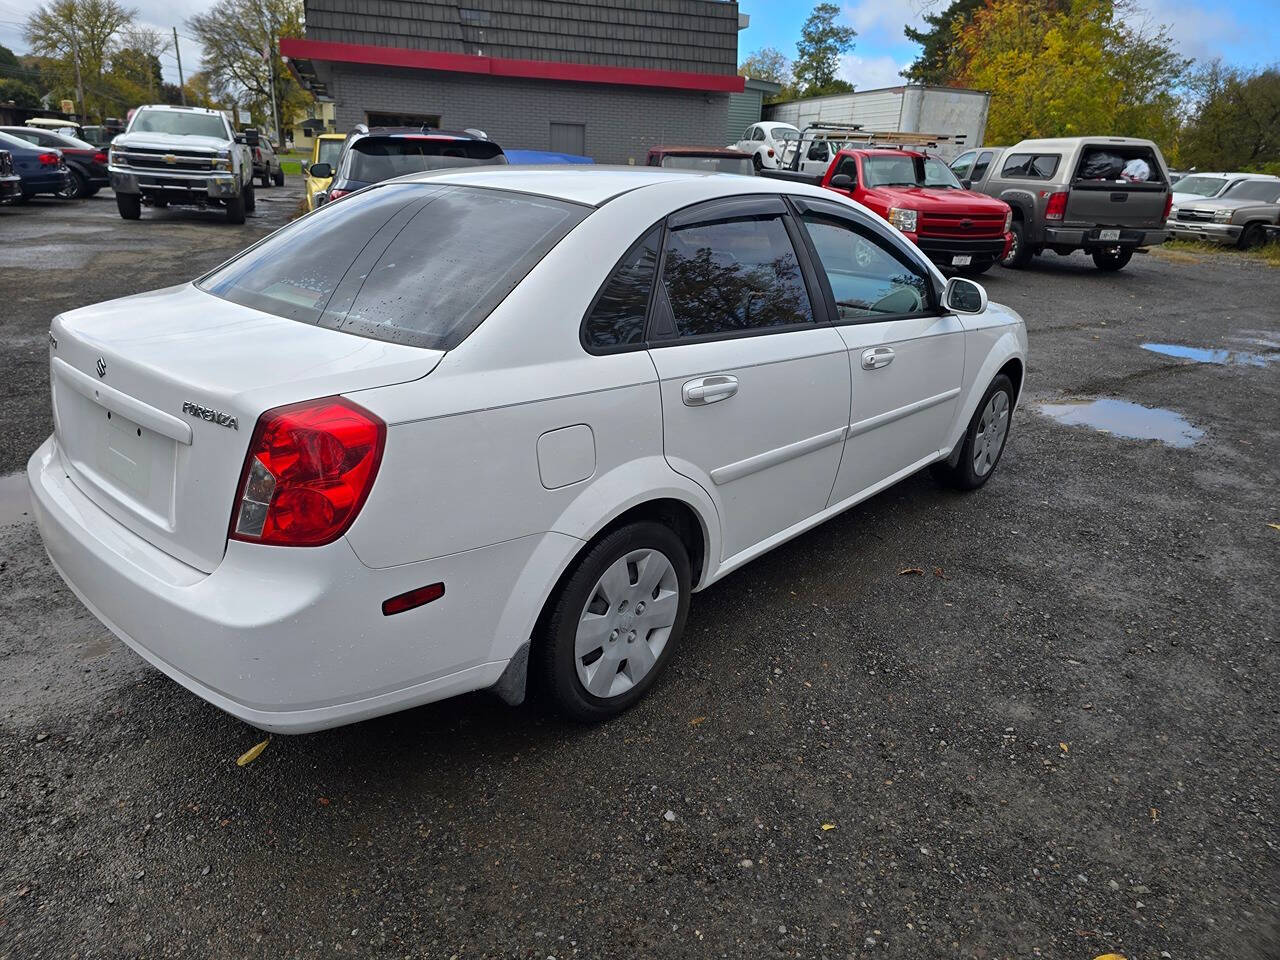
x,y
326,148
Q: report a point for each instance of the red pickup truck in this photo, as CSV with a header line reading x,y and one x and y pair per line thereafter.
x,y
920,196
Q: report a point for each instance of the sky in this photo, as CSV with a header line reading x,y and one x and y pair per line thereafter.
x,y
1243,32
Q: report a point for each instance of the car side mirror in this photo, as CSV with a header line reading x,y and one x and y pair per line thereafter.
x,y
842,181
321,171
962,295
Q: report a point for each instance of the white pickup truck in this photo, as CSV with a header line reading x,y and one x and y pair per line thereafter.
x,y
186,156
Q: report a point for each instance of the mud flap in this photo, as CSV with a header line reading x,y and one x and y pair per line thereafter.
x,y
510,688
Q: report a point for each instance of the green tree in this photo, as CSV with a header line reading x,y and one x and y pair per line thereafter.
x,y
241,40
767,63
1236,123
818,51
68,31
933,64
1071,70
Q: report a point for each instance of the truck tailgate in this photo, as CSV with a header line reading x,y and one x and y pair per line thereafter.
x,y
1116,203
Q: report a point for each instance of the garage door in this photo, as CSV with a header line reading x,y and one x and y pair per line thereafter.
x,y
569,138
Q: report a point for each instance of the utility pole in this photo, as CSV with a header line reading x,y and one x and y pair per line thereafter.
x,y
271,69
75,56
182,84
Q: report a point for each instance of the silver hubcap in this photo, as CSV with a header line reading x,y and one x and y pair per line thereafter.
x,y
993,427
626,623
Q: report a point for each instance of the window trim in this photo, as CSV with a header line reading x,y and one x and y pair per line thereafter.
x,y
891,246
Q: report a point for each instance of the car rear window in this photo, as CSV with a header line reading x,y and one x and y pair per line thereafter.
x,y
710,164
421,264
374,159
1268,191
1030,166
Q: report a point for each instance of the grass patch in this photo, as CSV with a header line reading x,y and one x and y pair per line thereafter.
x,y
1189,251
291,166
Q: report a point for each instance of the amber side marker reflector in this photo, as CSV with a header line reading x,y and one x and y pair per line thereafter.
x,y
414,598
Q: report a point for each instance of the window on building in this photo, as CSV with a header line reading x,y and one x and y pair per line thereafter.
x,y
402,119
569,138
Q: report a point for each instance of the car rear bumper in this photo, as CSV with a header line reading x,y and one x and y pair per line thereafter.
x,y
10,187
287,639
1217,232
46,182
1089,237
214,186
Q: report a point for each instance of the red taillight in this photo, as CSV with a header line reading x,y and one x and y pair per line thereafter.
x,y
1056,208
337,194
99,157
50,159
309,469
771,151
1168,205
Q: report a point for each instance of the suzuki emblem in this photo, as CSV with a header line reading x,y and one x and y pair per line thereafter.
x,y
102,367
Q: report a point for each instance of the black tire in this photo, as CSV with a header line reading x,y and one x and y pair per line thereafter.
x,y
250,199
129,205
93,191
1253,235
279,178
757,162
266,179
77,186
964,476
1020,253
976,269
236,205
553,666
1109,261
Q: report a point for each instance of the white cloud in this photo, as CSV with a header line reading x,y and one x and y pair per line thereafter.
x,y
871,73
881,19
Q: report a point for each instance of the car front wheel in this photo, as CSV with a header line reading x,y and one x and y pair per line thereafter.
x,y
983,441
1020,252
236,206
129,205
613,624
1252,236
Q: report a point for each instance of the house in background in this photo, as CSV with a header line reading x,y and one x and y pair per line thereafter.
x,y
318,119
601,78
747,107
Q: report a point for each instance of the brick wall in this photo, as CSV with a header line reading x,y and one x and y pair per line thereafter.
x,y
621,122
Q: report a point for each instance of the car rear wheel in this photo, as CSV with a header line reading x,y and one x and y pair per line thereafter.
x,y
129,205
1020,251
983,441
1111,259
77,186
279,178
611,628
1252,236
757,162
266,179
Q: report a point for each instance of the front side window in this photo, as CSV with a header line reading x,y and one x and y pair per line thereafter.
x,y
617,317
867,281
440,265
980,168
758,133
1030,166
732,276
818,151
961,165
179,123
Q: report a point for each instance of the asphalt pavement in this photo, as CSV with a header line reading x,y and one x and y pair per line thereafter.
x,y
1039,720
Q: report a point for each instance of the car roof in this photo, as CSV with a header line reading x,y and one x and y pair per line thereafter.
x,y
595,185
1069,142
169,106
420,132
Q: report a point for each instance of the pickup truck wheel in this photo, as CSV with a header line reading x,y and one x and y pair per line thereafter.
x,y
610,629
266,179
235,206
1111,260
976,269
1251,236
129,205
983,441
1020,251
279,178
250,199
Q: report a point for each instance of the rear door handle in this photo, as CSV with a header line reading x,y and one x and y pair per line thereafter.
x,y
876,358
704,390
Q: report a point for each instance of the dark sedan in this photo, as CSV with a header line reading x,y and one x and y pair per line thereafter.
x,y
42,169
87,163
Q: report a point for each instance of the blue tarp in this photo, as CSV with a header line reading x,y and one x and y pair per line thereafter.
x,y
543,156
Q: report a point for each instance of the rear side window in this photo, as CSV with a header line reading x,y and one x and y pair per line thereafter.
x,y
617,317
441,267
374,159
1030,166
733,276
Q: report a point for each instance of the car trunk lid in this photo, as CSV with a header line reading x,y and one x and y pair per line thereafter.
x,y
155,399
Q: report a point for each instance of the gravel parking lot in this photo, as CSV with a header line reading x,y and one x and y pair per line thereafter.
x,y
1037,720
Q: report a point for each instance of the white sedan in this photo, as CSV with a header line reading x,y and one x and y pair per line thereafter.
x,y
391,454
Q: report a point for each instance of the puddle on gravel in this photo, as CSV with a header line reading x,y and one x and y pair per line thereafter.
x,y
1242,358
1125,419
1266,339
15,502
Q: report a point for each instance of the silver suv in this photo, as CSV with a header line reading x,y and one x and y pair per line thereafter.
x,y
1107,196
